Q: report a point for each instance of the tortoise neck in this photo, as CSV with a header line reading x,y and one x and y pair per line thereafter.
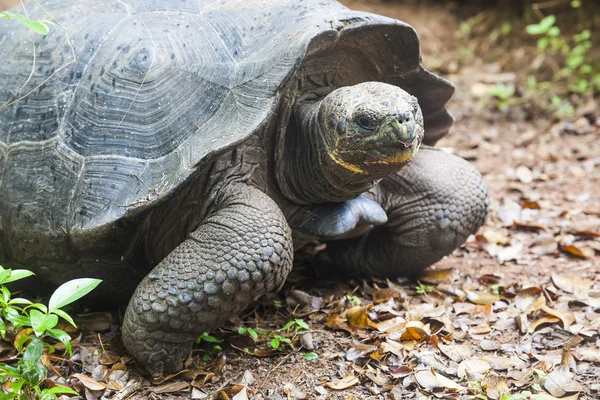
x,y
304,171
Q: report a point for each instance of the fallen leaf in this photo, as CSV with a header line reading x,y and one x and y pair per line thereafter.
x,y
524,174
89,382
383,295
108,358
438,276
525,298
575,251
493,237
395,324
588,354
241,395
495,386
357,318
542,321
482,298
571,285
429,379
528,226
337,322
566,316
561,381
348,381
473,370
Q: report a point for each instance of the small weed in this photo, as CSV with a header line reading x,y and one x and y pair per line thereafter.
x,y
25,317
503,93
298,322
250,331
423,289
353,299
278,339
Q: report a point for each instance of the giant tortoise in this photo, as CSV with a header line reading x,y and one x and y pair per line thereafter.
x,y
185,148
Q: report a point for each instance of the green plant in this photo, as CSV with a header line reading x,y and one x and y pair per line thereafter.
x,y
278,339
250,331
40,27
298,322
569,57
26,317
353,299
423,289
503,93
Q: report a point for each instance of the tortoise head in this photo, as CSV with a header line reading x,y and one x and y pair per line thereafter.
x,y
340,145
369,130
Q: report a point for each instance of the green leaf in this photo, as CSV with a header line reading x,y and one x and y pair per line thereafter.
x,y
310,356
18,274
19,300
4,275
18,320
10,371
275,343
301,323
64,316
252,333
36,26
207,338
554,31
62,337
41,322
542,43
548,21
2,328
288,325
242,330
60,390
5,294
38,306
71,291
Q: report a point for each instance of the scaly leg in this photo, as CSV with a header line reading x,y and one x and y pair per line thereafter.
x,y
241,251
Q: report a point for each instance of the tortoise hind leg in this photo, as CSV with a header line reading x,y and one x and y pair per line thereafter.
x,y
433,204
241,251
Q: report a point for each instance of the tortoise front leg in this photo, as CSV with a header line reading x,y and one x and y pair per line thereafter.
x,y
241,251
433,204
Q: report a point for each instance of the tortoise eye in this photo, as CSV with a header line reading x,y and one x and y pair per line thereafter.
x,y
366,123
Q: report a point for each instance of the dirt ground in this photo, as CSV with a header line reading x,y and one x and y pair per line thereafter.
x,y
467,328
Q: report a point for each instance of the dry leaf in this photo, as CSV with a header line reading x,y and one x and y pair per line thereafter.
x,y
542,321
456,352
473,370
429,379
336,321
357,318
482,298
348,381
493,237
108,358
575,251
588,354
561,381
566,316
438,276
571,285
495,386
395,324
383,295
89,382
527,297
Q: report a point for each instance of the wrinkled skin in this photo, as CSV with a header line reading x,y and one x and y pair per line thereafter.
x,y
353,173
